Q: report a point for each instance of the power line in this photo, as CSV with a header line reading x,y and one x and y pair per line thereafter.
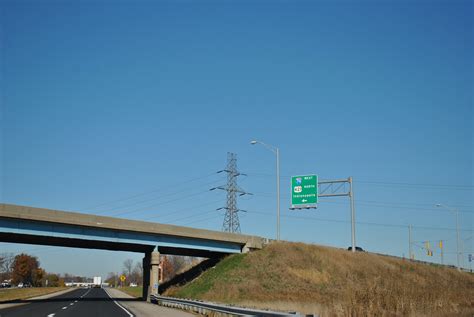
x,y
184,218
461,187
402,207
432,241
164,195
200,220
370,203
361,222
162,203
146,193
412,204
184,209
157,198
441,186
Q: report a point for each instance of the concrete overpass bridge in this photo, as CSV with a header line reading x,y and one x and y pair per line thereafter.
x,y
30,225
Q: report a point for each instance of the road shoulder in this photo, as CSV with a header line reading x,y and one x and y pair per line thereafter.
x,y
143,309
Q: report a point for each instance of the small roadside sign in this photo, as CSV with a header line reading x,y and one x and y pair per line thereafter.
x,y
123,278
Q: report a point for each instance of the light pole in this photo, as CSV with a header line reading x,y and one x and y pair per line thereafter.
x,y
457,230
275,150
410,250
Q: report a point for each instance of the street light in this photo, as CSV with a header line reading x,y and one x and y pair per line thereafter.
x,y
275,150
457,230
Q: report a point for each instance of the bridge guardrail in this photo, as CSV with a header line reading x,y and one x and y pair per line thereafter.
x,y
212,309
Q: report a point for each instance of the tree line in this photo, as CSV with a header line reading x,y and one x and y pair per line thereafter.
x,y
26,269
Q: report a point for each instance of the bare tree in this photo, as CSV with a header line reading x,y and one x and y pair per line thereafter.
x,y
178,263
128,267
139,267
6,265
173,265
112,279
137,274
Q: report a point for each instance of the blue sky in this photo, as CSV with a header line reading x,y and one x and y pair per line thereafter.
x,y
101,101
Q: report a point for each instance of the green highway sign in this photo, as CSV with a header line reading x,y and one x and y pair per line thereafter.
x,y
304,191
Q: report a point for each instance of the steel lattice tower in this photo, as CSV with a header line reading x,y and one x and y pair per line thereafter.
x,y
231,218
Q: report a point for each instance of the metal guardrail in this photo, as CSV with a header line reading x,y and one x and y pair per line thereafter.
x,y
451,266
211,309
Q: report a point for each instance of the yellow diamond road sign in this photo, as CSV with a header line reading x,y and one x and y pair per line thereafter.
x,y
122,278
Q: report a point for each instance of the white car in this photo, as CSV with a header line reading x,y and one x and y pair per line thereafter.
x,y
133,285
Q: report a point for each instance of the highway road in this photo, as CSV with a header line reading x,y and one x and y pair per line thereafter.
x,y
82,302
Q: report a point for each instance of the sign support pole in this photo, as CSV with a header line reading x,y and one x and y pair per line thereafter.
x,y
351,196
337,188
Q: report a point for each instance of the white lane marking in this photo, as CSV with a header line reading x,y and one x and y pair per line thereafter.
x,y
75,301
71,304
86,293
129,313
52,315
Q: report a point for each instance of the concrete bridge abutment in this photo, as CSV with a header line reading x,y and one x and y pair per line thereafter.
x,y
151,274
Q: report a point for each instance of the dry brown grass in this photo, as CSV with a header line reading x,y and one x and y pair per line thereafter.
x,y
328,281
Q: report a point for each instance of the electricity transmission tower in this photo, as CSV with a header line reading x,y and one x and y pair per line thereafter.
x,y
231,218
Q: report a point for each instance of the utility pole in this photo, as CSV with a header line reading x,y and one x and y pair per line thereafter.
x,y
441,246
231,219
410,251
457,231
460,256
457,237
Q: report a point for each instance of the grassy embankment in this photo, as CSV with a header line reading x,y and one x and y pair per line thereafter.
x,y
132,291
9,294
329,281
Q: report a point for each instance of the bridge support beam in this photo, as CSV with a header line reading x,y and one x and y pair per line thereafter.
x,y
151,263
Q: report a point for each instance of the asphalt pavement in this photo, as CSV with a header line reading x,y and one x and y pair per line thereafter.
x,y
90,302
